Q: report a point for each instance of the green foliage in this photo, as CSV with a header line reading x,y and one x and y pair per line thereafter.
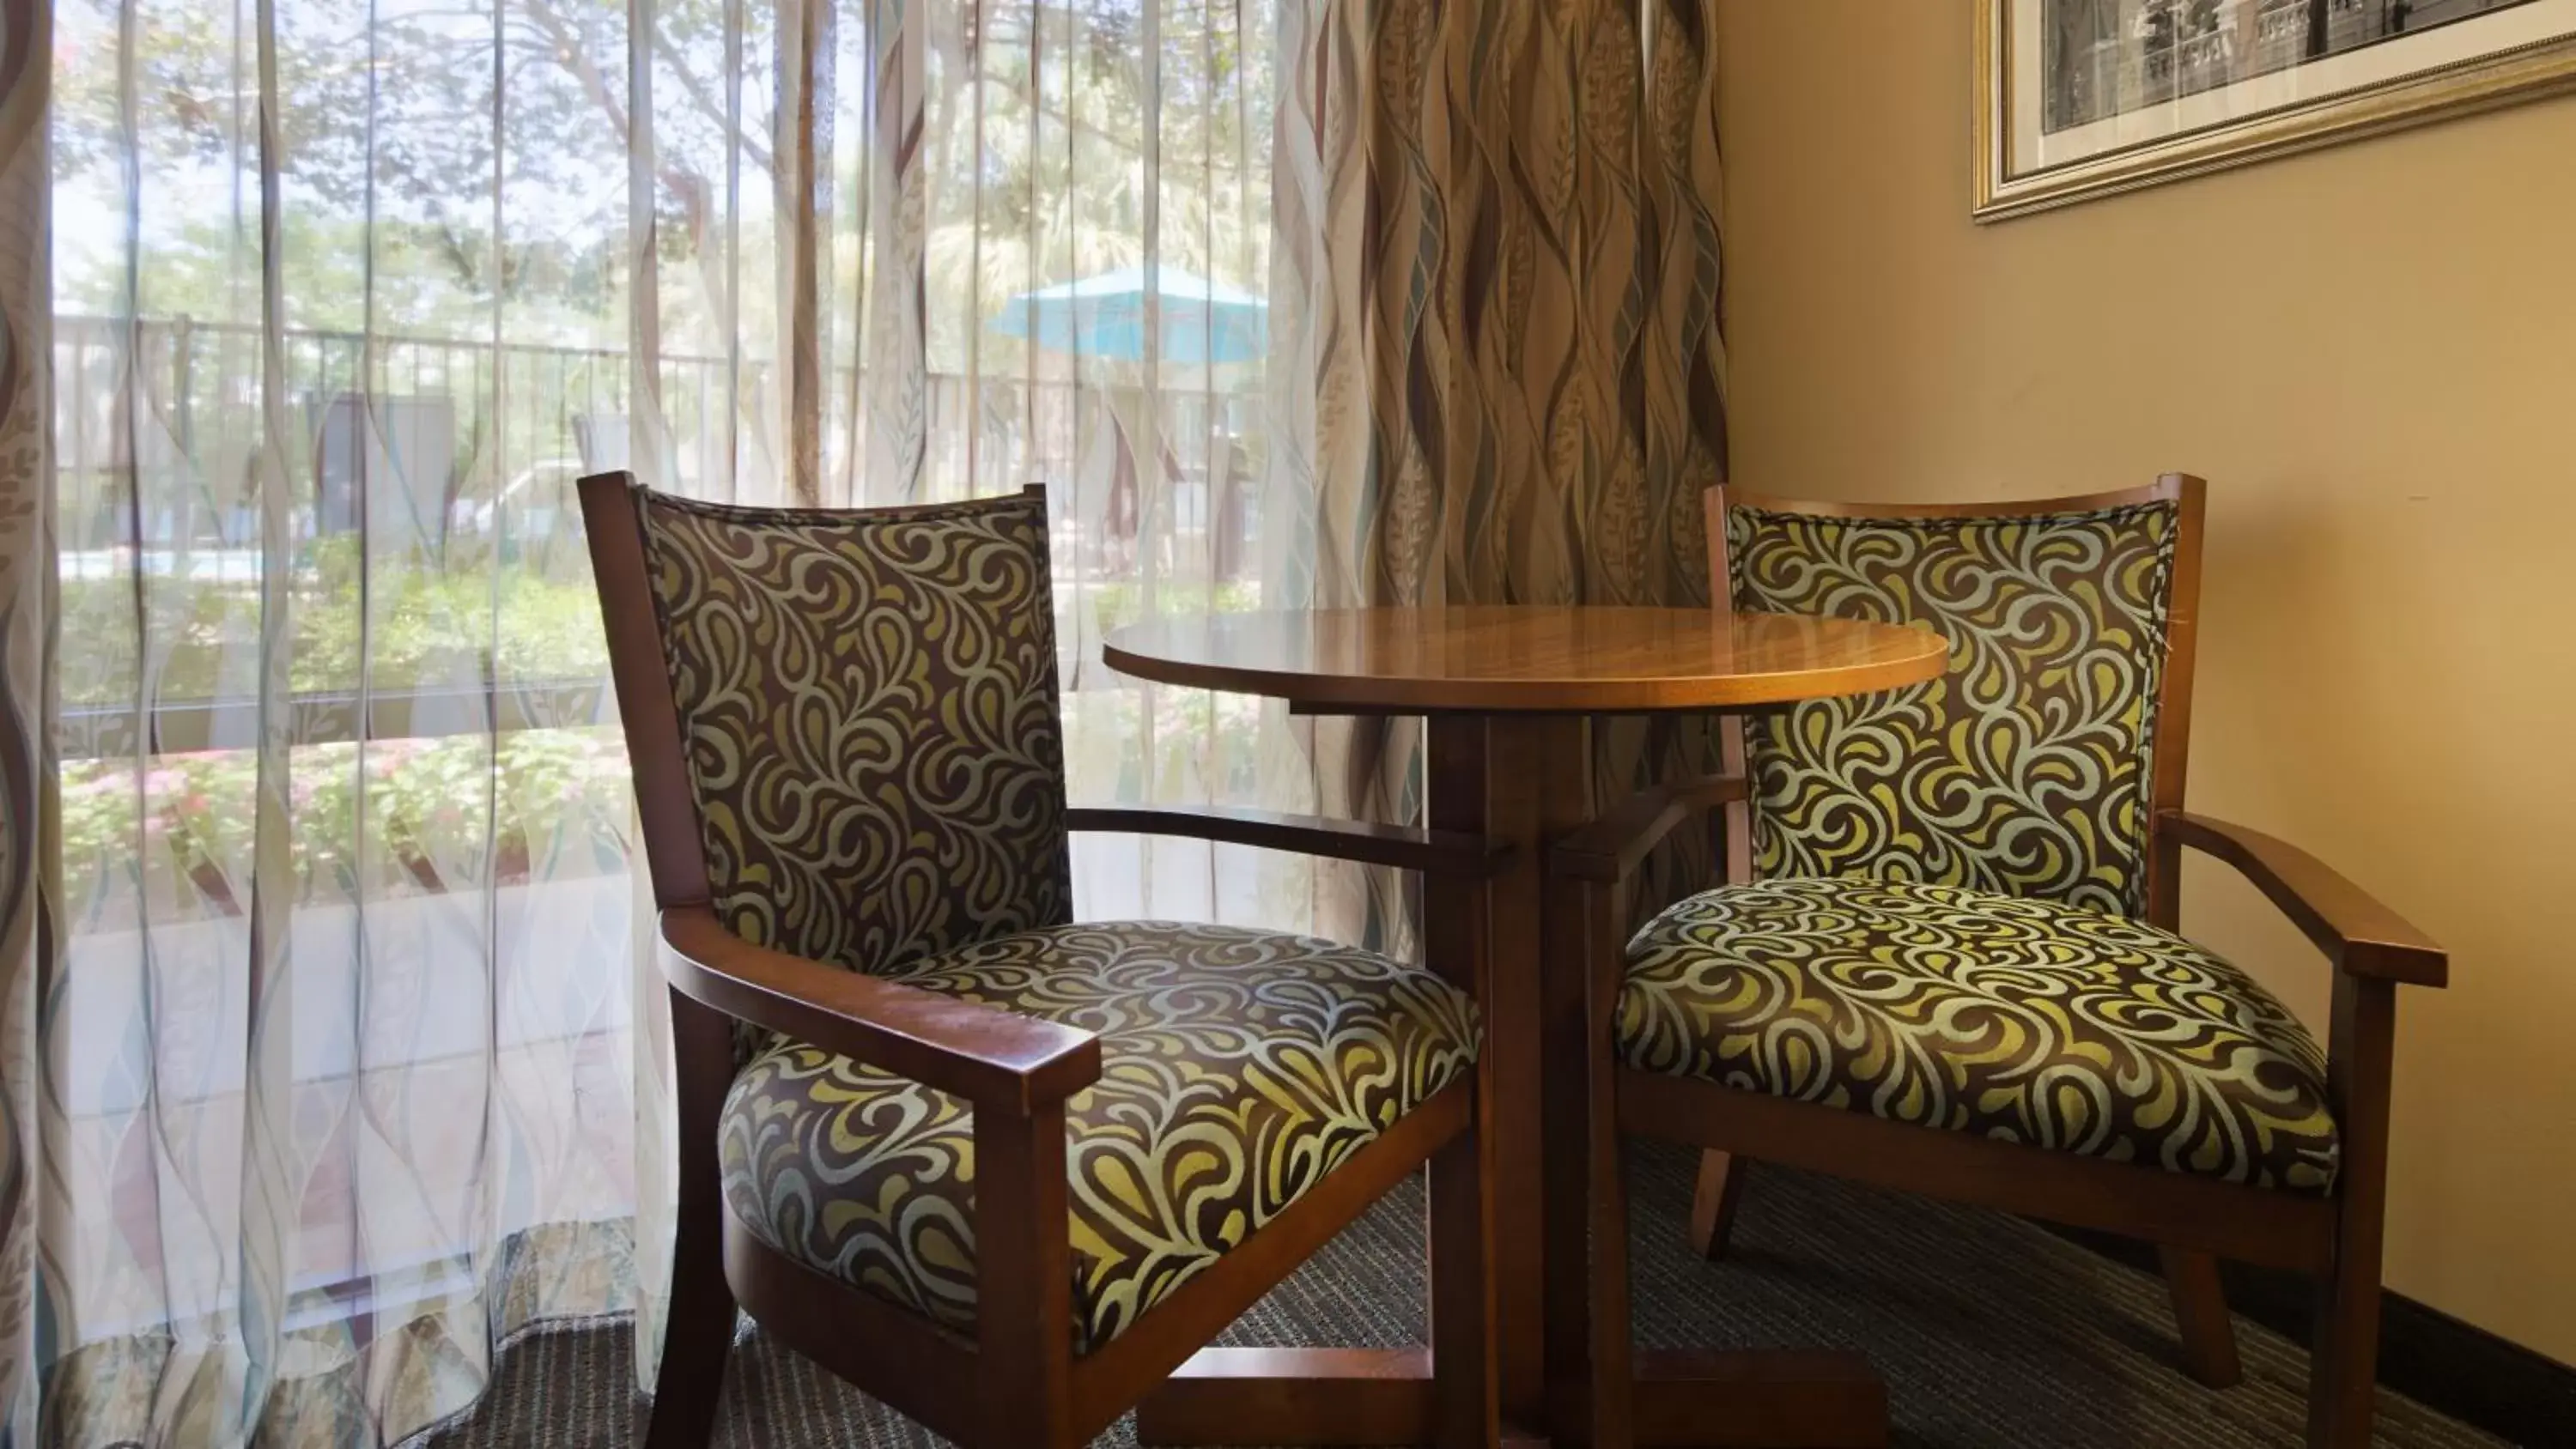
x,y
392,142
418,201
438,814
419,628
1116,604
390,146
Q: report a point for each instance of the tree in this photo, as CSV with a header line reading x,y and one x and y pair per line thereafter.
x,y
397,137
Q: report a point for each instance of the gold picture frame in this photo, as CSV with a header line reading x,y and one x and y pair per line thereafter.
x,y
2127,97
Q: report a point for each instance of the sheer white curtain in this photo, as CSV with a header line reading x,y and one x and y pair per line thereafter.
x,y
336,1052
923,251
932,250
340,1079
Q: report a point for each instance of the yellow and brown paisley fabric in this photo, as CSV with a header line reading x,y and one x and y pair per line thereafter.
x,y
869,705
868,702
1239,1067
2024,770
2025,1020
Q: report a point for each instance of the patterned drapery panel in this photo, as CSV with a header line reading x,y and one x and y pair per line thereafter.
x,y
1507,217
29,880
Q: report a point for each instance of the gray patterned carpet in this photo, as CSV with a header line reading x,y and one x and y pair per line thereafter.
x,y
1991,1333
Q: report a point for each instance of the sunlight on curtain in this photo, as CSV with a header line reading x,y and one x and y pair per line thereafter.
x,y
923,251
336,1058
908,252
348,1065
343,1076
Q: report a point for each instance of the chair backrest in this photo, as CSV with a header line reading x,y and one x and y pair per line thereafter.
x,y
2035,766
843,725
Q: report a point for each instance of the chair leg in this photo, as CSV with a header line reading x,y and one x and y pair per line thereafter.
x,y
2343,1358
1023,1281
698,1334
2200,1317
1721,1185
2343,1361
1611,1400
1467,1412
696,1339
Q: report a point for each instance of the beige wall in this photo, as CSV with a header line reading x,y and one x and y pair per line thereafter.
x,y
2370,352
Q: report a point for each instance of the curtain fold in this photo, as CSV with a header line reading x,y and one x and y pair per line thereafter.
x,y
1508,217
30,800
330,1039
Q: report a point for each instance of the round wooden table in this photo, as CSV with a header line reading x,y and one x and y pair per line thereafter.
x,y
1509,692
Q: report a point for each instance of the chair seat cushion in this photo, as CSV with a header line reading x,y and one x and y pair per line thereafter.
x,y
1238,1069
2024,1020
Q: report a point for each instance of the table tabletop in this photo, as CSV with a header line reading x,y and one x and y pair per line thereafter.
x,y
1503,659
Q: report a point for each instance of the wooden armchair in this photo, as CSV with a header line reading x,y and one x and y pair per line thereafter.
x,y
1945,956
1002,1171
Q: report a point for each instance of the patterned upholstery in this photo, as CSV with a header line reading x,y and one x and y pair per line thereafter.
x,y
2025,769
868,702
1238,1068
869,705
2017,1019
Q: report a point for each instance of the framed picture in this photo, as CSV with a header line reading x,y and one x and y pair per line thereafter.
x,y
2082,98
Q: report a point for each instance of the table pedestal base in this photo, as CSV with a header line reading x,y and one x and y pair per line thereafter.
x,y
1509,695
1787,1399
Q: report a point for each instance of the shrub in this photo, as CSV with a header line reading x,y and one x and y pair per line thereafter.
x,y
421,627
435,814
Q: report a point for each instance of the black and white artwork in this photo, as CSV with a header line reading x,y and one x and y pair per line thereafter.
x,y
2102,58
2083,98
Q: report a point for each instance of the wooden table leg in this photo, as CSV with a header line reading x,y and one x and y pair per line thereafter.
x,y
1565,804
1773,1399
1540,786
1537,783
1326,1396
1241,1396
1524,779
1788,1399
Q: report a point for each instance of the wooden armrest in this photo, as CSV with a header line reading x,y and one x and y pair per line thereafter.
x,y
1437,851
2357,933
991,1057
1614,845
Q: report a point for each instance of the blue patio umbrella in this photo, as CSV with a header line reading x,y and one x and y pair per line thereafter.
x,y
1104,316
